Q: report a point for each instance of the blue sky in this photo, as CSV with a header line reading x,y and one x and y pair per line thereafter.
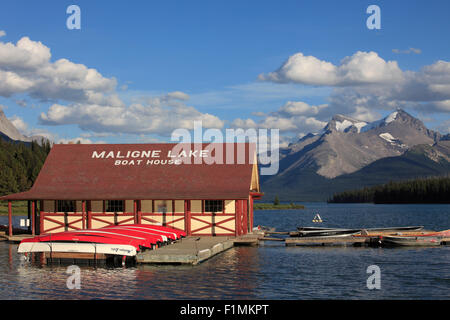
x,y
214,51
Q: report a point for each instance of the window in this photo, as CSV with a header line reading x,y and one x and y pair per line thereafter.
x,y
66,206
213,205
115,206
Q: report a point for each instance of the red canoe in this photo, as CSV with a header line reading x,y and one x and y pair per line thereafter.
x,y
78,237
179,233
93,236
155,238
111,239
173,235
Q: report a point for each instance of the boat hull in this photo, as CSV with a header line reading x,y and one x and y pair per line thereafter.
x,y
411,241
328,233
410,228
94,248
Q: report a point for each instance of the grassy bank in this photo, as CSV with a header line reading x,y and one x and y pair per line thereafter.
x,y
19,208
271,206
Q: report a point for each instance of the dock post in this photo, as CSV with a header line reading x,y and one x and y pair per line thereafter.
x,y
135,211
139,211
41,217
29,214
187,217
83,210
10,228
245,217
88,207
236,220
250,227
33,214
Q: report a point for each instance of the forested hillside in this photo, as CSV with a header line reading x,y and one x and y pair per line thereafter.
x,y
431,190
20,164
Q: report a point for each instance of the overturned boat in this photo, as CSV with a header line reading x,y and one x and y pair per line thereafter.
x,y
123,241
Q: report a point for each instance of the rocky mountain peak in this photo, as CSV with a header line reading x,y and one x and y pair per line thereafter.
x,y
403,117
8,129
9,132
346,144
349,149
342,123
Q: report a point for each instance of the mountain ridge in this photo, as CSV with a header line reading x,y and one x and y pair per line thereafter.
x,y
9,132
346,154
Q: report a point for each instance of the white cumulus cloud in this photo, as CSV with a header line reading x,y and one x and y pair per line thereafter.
x,y
25,67
293,117
82,96
160,115
360,68
364,83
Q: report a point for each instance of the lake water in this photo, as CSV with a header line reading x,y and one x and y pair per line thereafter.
x,y
270,271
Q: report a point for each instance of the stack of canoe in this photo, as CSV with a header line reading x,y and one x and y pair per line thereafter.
x,y
124,240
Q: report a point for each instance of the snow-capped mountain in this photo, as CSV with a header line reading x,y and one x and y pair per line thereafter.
x,y
345,146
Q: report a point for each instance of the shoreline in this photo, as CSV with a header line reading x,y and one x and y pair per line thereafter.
x,y
270,206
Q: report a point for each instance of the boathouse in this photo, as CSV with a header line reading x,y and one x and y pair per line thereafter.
x,y
203,189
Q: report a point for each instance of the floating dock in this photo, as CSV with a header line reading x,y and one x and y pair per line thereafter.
x,y
365,238
18,234
190,250
194,250
329,241
14,238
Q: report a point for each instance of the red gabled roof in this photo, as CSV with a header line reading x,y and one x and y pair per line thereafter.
x,y
90,172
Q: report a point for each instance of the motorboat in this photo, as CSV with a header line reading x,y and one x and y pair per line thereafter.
x,y
427,239
328,232
410,228
322,231
411,240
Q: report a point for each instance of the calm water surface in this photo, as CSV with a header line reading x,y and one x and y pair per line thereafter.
x,y
271,271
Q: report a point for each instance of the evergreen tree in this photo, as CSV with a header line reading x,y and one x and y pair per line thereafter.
x,y
276,201
424,190
20,164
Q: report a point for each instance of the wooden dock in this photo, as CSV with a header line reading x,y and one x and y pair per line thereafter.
x,y
250,239
194,250
190,250
14,238
327,241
